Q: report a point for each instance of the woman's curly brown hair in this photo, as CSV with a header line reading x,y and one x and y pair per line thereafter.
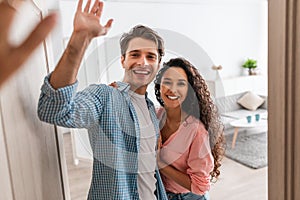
x,y
199,104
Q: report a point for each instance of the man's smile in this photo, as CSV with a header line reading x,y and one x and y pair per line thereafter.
x,y
142,72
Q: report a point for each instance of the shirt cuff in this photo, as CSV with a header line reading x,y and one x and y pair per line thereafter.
x,y
60,94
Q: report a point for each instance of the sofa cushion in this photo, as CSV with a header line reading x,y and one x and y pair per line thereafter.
x,y
250,101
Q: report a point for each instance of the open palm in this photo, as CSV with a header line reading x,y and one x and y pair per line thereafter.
x,y
87,21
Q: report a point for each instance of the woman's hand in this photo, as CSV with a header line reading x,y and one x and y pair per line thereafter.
x,y
160,163
113,84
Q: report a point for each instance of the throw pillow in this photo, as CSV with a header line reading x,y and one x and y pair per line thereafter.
x,y
251,101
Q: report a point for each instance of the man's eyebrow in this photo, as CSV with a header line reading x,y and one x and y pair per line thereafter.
x,y
134,51
138,50
151,53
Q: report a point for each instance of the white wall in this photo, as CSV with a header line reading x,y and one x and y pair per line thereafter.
x,y
228,30
231,86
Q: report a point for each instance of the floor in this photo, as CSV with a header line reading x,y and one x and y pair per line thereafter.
x,y
236,181
239,182
79,175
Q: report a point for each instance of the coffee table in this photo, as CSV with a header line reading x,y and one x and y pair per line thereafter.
x,y
242,123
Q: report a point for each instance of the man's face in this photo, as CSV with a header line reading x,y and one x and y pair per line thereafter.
x,y
141,63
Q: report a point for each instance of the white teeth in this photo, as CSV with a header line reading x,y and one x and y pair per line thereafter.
x,y
173,97
141,72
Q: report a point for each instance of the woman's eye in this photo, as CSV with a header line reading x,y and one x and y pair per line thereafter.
x,y
166,83
181,84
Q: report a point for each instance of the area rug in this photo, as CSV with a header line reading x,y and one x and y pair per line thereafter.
x,y
250,149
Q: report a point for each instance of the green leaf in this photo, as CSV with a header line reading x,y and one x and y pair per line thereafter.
x,y
250,63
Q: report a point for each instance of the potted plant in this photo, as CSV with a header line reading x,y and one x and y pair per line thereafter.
x,y
250,64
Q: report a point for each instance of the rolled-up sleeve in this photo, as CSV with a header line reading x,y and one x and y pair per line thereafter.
x,y
200,162
65,107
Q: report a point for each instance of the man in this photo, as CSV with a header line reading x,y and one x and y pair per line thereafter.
x,y
122,124
11,57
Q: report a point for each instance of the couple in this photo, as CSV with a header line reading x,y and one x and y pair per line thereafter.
x,y
124,128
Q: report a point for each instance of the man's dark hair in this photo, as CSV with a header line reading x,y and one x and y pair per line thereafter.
x,y
145,33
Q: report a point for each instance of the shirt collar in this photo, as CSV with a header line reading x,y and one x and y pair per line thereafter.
x,y
124,87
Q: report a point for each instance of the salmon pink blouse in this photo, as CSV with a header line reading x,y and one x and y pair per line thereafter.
x,y
188,150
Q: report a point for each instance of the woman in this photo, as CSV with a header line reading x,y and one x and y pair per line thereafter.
x,y
192,140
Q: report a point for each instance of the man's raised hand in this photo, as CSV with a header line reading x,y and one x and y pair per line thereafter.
x,y
87,21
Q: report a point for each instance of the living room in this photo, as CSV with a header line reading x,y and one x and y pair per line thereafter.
x,y
30,158
229,32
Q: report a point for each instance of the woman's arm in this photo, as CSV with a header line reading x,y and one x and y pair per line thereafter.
x,y
179,177
200,162
196,178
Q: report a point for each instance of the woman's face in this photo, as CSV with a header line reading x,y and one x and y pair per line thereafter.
x,y
174,87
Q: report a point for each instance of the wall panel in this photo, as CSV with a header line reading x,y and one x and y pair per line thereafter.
x,y
5,183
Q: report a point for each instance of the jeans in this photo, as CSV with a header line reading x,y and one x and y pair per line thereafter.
x,y
187,196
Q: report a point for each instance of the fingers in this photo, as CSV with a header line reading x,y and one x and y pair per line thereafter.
x,y
87,6
106,27
37,36
108,24
100,8
114,84
159,142
79,6
95,7
8,14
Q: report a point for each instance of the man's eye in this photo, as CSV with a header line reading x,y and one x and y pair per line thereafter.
x,y
134,55
151,57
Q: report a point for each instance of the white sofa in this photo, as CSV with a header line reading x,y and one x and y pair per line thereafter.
x,y
230,110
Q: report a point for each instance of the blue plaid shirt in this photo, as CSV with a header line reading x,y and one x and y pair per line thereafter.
x,y
114,133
